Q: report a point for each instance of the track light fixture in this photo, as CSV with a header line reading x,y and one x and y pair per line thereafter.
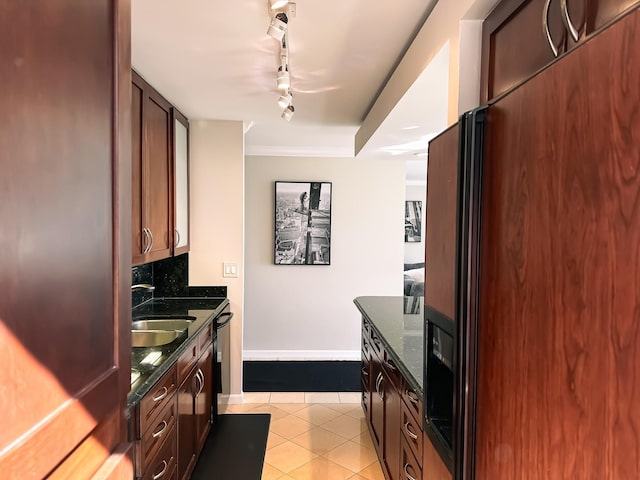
x,y
285,100
278,26
276,4
288,112
284,80
280,12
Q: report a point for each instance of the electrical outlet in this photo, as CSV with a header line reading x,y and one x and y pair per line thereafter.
x,y
229,269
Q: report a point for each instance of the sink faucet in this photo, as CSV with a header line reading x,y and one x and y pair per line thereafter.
x,y
142,286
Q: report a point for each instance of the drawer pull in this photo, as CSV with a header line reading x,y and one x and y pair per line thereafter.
x,y
409,432
409,477
163,471
161,431
391,364
413,398
364,372
165,392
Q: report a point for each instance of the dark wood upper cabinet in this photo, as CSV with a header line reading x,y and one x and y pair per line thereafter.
x,y
516,44
152,231
440,242
65,258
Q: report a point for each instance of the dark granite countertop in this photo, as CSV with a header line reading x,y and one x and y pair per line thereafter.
x,y
204,309
399,322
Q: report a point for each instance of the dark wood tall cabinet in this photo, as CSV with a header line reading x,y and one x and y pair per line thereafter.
x,y
65,261
558,333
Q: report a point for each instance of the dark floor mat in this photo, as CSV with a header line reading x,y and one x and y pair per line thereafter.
x,y
235,448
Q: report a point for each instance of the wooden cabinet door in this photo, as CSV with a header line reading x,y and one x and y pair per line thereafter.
x,y
157,175
139,237
187,425
392,432
377,404
440,242
514,44
204,399
64,261
559,350
180,163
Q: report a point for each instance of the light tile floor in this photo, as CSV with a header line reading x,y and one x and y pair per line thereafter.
x,y
314,436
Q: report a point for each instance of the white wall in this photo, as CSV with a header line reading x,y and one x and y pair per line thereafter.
x,y
295,312
414,251
217,222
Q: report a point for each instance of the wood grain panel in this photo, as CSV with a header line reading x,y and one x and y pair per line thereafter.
x,y
61,302
559,332
440,221
604,11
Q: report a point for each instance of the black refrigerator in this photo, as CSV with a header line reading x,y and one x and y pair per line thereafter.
x,y
453,197
541,286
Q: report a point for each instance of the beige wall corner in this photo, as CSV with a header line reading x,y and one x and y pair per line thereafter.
x,y
217,224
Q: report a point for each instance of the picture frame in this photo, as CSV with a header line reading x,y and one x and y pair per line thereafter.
x,y
302,223
413,221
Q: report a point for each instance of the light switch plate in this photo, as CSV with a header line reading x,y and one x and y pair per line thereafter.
x,y
229,269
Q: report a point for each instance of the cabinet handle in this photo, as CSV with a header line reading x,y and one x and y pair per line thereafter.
x,y
413,398
390,364
200,375
162,472
226,322
567,21
545,27
161,431
177,236
379,386
409,477
164,393
151,237
145,241
364,372
409,432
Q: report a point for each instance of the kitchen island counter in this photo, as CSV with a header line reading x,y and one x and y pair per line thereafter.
x,y
399,322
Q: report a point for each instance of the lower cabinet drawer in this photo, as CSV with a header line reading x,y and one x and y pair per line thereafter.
x,y
410,468
412,433
156,400
163,465
158,435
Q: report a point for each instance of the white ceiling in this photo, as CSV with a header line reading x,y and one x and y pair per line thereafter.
x,y
214,60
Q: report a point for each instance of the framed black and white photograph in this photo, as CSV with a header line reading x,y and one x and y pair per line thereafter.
x,y
303,223
412,221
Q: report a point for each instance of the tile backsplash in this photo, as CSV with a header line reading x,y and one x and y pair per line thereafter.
x,y
171,278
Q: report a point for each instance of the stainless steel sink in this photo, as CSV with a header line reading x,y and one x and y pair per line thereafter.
x,y
178,324
153,338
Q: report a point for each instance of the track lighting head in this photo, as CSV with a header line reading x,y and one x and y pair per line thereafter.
x,y
284,80
288,113
276,4
285,100
278,26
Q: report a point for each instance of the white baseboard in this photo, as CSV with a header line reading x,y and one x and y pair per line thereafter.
x,y
230,399
301,355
